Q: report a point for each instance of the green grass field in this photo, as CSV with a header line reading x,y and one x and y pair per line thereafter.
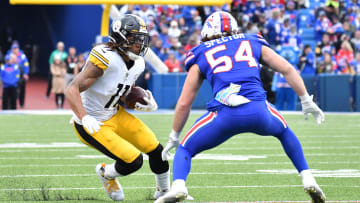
x,y
258,169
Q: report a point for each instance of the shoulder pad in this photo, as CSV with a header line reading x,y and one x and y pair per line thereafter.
x,y
99,56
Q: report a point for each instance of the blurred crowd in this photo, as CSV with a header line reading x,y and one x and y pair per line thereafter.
x,y
315,36
335,24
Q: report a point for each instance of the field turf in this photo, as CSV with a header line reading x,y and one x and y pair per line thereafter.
x,y
41,159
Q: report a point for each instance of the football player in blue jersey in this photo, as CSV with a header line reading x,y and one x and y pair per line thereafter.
x,y
231,63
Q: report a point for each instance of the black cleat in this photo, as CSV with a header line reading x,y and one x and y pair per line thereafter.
x,y
316,194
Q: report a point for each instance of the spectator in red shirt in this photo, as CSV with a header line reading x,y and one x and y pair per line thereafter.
x,y
344,56
172,63
191,43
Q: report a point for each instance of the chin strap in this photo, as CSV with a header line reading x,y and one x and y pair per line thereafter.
x,y
132,56
129,54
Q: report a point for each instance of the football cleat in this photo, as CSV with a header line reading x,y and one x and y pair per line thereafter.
x,y
316,194
159,193
177,193
111,185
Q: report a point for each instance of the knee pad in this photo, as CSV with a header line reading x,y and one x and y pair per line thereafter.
x,y
124,168
157,165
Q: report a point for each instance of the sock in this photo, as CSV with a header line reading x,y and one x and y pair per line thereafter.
x,y
110,171
293,149
178,183
163,181
307,178
181,164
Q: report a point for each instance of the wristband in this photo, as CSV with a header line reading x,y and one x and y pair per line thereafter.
x,y
305,97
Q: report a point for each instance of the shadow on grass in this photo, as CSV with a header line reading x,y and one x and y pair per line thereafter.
x,y
44,194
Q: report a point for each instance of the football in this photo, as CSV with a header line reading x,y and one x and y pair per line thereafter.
x,y
136,94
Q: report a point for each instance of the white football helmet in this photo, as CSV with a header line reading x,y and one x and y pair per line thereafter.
x,y
218,23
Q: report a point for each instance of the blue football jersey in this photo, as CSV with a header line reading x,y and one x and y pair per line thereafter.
x,y
233,59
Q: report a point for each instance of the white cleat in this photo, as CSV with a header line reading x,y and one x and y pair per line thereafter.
x,y
315,193
189,197
177,193
112,186
159,193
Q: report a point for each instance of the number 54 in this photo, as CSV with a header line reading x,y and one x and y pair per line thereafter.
x,y
243,53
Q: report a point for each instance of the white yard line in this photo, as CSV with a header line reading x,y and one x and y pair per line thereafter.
x,y
200,156
190,187
342,173
160,111
50,148
193,164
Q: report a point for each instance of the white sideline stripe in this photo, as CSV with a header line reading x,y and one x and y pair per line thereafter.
x,y
75,148
302,142
191,187
37,145
279,148
158,112
341,173
200,156
195,163
48,150
135,174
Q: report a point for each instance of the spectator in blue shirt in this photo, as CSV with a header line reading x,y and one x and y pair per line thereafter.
x,y
24,67
284,30
355,64
272,29
10,74
293,38
308,61
285,95
321,25
291,13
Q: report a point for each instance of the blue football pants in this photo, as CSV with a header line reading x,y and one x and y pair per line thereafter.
x,y
214,128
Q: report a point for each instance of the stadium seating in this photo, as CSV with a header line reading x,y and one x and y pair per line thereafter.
x,y
307,34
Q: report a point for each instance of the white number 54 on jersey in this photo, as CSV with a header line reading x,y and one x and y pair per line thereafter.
x,y
243,53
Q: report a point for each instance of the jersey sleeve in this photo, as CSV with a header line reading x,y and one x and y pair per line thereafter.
x,y
98,57
262,40
25,63
189,60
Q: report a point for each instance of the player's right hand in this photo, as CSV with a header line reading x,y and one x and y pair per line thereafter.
x,y
150,106
172,143
91,124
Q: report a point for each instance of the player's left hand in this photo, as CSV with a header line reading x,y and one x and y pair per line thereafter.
x,y
150,105
172,143
309,107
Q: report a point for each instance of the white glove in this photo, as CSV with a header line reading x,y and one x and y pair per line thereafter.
x,y
229,96
172,143
308,106
91,124
71,121
150,106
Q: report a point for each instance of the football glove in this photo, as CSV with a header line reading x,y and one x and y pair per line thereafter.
x,y
150,106
172,143
229,96
91,124
309,107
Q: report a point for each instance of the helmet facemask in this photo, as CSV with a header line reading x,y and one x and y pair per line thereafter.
x,y
142,39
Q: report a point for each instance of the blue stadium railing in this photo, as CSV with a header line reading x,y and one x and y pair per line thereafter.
x,y
335,93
